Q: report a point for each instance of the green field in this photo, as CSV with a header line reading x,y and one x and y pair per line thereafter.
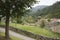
x,y
36,30
11,37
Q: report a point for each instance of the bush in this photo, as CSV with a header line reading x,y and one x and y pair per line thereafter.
x,y
19,21
48,19
42,25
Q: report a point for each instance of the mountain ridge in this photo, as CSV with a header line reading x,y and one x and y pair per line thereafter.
x,y
52,11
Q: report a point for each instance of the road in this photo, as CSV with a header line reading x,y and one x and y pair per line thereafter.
x,y
16,34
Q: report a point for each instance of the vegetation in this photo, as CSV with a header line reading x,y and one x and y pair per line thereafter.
x,y
47,12
36,30
42,25
13,8
12,38
52,11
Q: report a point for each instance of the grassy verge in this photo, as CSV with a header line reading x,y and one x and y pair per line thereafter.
x,y
11,37
36,30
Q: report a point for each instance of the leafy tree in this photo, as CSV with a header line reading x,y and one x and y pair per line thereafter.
x,y
42,25
13,8
30,19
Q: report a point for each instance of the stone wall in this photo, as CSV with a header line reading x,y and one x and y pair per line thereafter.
x,y
29,34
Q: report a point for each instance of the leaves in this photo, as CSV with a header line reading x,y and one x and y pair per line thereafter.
x,y
14,7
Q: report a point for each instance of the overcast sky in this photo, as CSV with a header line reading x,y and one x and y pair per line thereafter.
x,y
46,2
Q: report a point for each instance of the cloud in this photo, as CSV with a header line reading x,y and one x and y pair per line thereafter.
x,y
46,2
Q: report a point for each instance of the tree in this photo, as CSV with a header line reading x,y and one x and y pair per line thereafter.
x,y
0,17
42,25
12,8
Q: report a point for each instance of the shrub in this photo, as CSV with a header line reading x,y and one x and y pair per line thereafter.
x,y
42,25
48,19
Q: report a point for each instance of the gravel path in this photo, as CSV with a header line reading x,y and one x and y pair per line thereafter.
x,y
16,34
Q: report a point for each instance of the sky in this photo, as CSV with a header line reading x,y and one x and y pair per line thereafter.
x,y
46,2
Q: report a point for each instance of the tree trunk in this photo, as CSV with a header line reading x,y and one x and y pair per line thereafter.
x,y
0,19
7,28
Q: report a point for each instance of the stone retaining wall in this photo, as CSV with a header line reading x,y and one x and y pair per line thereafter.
x,y
29,34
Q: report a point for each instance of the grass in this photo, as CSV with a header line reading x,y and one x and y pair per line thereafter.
x,y
36,30
11,37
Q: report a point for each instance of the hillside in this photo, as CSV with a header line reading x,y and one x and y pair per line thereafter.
x,y
51,11
35,9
